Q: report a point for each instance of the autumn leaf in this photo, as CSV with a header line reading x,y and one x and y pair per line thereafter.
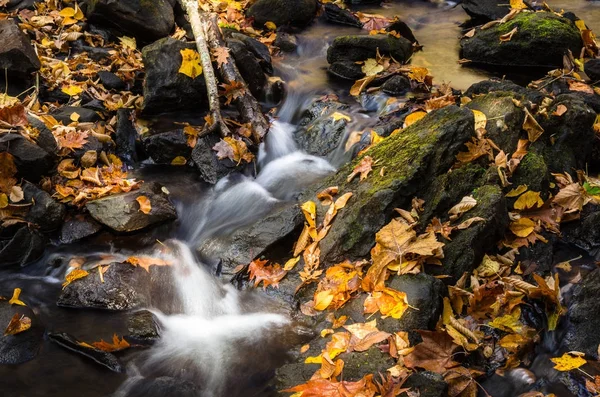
x,y
414,117
72,89
529,200
190,63
128,42
116,345
466,203
570,197
517,5
363,168
14,115
508,36
371,67
509,322
567,362
234,149
372,21
145,262
267,274
480,119
340,116
17,324
309,209
388,301
73,140
434,354
233,91
191,135
331,388
534,130
75,274
221,55
517,191
179,160
15,298
522,227
144,203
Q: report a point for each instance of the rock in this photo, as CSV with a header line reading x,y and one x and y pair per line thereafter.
x,y
347,70
359,364
16,51
411,159
427,384
111,81
210,168
335,14
162,386
396,85
505,118
486,10
533,172
78,228
164,147
401,27
15,5
31,160
321,135
45,212
24,346
142,326
165,89
249,67
45,139
297,13
541,40
20,245
586,233
125,136
592,69
124,288
106,359
486,86
286,42
584,317
362,47
121,212
145,20
260,50
465,252
65,113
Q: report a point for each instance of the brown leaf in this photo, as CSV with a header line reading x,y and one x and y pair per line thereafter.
x,y
14,115
534,130
116,345
233,91
221,55
144,203
363,168
508,36
18,323
73,140
234,149
434,353
570,197
268,275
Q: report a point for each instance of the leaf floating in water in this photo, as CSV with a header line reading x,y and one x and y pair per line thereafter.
x,y
144,203
15,298
19,323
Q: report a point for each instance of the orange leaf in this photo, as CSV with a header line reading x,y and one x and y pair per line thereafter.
x,y
363,168
144,203
269,275
147,261
75,274
116,345
15,298
18,323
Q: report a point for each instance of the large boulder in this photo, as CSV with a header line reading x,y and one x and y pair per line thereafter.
x,y
486,10
122,213
249,67
145,20
540,40
488,86
45,212
283,12
31,160
16,52
165,89
24,346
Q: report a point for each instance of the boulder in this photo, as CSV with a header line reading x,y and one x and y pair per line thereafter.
x,y
145,20
165,89
142,326
322,128
260,50
297,13
487,86
45,212
338,15
541,40
533,172
210,168
286,42
164,147
396,85
20,244
486,10
121,212
31,160
24,346
249,67
347,70
64,114
361,47
427,384
77,228
585,234
16,5
16,52
592,69
126,136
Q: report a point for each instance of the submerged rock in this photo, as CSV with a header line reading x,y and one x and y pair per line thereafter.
x,y
335,14
283,12
126,136
486,10
145,20
249,67
540,40
121,212
210,168
592,69
488,86
20,244
106,359
164,147
16,52
24,346
163,386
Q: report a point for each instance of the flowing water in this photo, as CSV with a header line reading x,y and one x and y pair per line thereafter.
x,y
215,340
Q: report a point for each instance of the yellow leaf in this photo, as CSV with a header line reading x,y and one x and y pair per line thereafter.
x,y
190,63
72,89
74,116
522,227
488,267
517,5
3,200
309,209
567,362
313,360
340,116
270,25
67,12
128,42
74,275
144,203
291,263
509,322
323,299
15,298
517,191
17,324
529,200
179,160
388,301
480,119
371,67
414,117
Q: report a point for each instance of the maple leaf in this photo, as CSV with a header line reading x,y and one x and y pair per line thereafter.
x,y
434,353
144,203
570,197
145,262
18,323
73,140
336,288
221,55
234,149
388,301
461,382
233,91
567,362
363,168
365,335
330,388
268,275
14,115
373,21
190,63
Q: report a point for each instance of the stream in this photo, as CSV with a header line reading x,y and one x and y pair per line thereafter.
x,y
216,340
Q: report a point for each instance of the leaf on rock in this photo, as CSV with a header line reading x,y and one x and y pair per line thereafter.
x,y
234,149
371,67
75,274
233,91
116,345
73,140
16,194
570,197
388,301
528,201
340,116
522,227
363,168
480,119
434,353
268,275
534,130
466,204
17,324
567,362
414,117
331,388
517,191
145,262
15,298
72,89
509,322
144,203
517,5
128,42
508,36
14,115
190,63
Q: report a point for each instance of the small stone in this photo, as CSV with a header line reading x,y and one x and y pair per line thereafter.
x,y
45,212
286,42
166,146
396,85
24,346
78,228
31,160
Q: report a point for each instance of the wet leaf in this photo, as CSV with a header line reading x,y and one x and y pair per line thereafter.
x,y
340,116
270,25
517,5
388,301
363,168
144,203
560,110
309,209
529,200
434,354
17,324
73,140
117,344
567,362
414,117
371,67
509,322
267,274
72,89
75,274
234,149
291,263
517,191
522,227
15,298
466,203
570,197
145,262
330,388
14,115
179,161
534,130
508,36
233,91
190,63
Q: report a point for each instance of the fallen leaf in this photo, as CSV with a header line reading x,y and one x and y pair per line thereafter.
x,y
17,324
522,227
508,36
517,5
234,149
72,89
434,354
517,191
116,345
190,63
179,161
144,203
371,67
534,130
15,298
145,262
363,168
268,275
388,301
414,117
560,110
529,200
128,42
232,91
340,116
466,203
221,55
16,194
331,388
567,362
75,274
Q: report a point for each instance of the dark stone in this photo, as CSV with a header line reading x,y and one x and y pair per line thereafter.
x,y
63,114
359,364
347,70
78,228
283,12
24,346
541,41
335,14
121,212
125,136
396,85
286,42
106,359
361,47
322,135
586,233
111,81
45,139
487,86
145,20
210,168
427,384
592,69
584,317
16,51
164,147
249,67
533,172
486,10
260,50
20,245
16,5
142,326
45,212
403,29
31,160
165,89
163,386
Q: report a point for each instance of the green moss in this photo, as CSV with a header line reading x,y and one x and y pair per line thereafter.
x,y
538,24
533,172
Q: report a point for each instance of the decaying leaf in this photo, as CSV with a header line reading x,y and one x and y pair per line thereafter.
x,y
363,168
534,130
466,203
434,354
18,323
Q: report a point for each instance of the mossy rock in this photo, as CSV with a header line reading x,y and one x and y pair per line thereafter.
x,y
541,40
427,384
533,172
362,47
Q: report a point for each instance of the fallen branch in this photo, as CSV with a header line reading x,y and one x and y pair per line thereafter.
x,y
246,103
200,34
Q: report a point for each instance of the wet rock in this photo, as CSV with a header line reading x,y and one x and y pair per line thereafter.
x,y
486,10
283,12
533,172
45,139
321,135
249,67
164,147
16,52
361,47
541,40
125,136
15,5
286,42
24,346
121,212
260,50
584,316
210,168
31,160
111,81
486,86
123,288
335,14
466,250
142,326
65,113
505,118
106,359
411,159
20,244
347,70
165,89
592,69
586,233
401,27
45,212
396,85
427,384
145,20
78,228
163,386
359,364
